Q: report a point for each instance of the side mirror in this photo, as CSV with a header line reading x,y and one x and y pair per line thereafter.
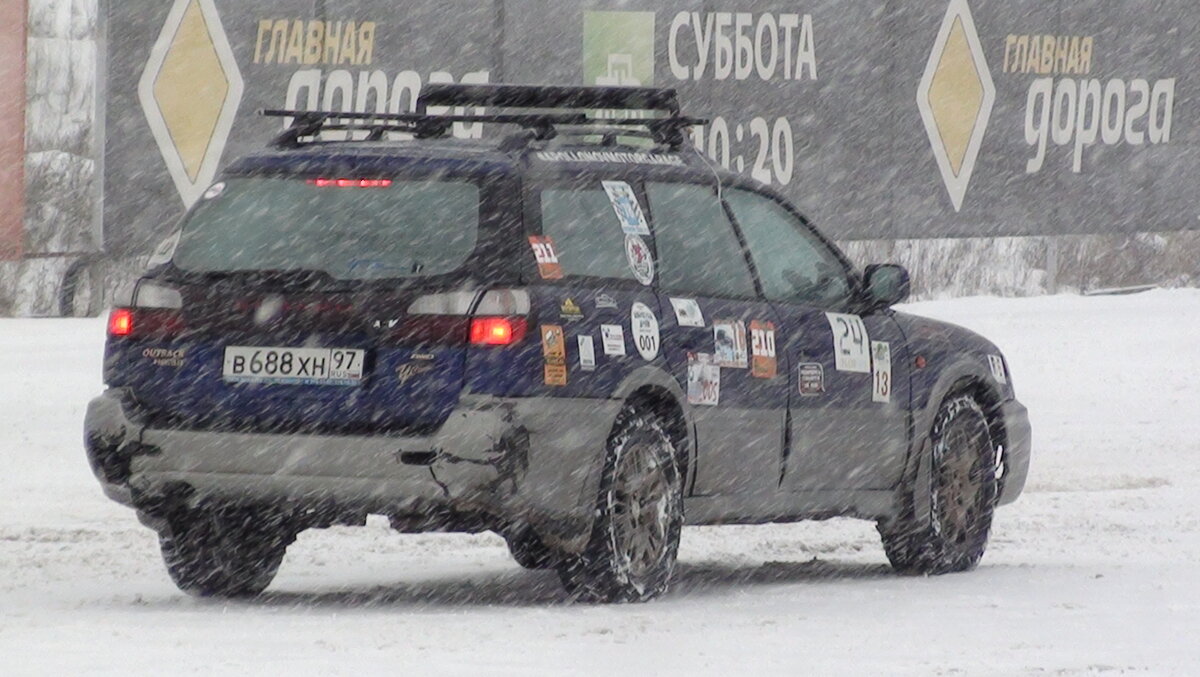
x,y
886,284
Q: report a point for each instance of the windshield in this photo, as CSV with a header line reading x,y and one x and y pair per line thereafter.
x,y
352,229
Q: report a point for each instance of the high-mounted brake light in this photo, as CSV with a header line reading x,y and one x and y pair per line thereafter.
x,y
497,331
120,322
350,183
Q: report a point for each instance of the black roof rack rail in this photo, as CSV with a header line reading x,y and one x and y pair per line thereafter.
x,y
549,96
665,129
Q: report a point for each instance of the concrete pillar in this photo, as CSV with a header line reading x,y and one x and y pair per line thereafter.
x,y
14,17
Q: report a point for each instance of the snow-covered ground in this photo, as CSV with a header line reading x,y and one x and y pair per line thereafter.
x,y
1096,570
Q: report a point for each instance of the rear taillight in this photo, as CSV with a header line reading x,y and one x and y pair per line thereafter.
x,y
151,310
495,318
497,331
120,322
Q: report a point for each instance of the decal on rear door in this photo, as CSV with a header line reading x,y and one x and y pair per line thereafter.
x,y
554,352
645,330
587,353
687,312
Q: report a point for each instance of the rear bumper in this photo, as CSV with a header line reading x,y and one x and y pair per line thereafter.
x,y
499,460
1017,450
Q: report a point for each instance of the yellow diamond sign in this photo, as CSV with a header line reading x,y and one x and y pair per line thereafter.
x,y
190,93
955,98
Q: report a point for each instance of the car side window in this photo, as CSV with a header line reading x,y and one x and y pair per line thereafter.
x,y
793,264
587,238
698,250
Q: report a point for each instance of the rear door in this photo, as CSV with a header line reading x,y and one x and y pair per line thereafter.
x,y
719,338
337,303
590,283
849,381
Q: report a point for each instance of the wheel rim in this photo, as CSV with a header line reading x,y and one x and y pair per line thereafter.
x,y
641,503
958,488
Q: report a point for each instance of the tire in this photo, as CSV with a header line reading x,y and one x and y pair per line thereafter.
x,y
962,497
529,551
224,553
631,553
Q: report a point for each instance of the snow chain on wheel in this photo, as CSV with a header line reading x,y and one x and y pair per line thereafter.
x,y
224,553
630,556
962,496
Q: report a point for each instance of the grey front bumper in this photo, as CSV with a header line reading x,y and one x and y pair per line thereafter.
x,y
1017,450
509,458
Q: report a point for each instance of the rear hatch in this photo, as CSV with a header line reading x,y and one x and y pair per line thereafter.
x,y
327,303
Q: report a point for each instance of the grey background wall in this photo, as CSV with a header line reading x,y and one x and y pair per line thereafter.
x,y
995,146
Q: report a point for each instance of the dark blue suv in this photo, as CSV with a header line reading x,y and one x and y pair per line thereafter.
x,y
581,336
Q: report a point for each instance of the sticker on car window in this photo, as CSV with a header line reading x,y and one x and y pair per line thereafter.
x,y
811,376
613,338
703,380
640,260
554,354
547,258
628,209
587,353
851,345
645,330
687,312
996,364
729,338
881,371
762,349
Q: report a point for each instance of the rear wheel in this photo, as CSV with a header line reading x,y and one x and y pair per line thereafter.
x,y
962,497
635,538
224,553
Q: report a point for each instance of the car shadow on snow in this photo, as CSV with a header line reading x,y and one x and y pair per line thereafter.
x,y
520,588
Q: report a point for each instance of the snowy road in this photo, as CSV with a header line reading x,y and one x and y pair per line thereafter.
x,y
1096,570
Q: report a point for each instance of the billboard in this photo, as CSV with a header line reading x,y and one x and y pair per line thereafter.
x,y
880,119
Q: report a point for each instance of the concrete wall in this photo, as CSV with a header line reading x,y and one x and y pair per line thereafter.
x,y
62,166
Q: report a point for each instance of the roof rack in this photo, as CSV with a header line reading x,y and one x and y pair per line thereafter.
x,y
667,128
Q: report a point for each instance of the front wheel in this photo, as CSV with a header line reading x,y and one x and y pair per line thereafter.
x,y
224,553
962,497
635,538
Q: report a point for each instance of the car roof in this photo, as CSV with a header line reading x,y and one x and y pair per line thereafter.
x,y
485,157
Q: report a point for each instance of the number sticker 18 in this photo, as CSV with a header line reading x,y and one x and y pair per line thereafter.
x,y
851,345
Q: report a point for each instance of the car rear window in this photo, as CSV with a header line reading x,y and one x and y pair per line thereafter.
x,y
385,229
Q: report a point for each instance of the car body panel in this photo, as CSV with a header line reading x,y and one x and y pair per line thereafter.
x,y
492,431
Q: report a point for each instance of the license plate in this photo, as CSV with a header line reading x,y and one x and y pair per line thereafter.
x,y
293,366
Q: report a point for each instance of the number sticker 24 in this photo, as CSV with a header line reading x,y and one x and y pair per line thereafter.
x,y
851,345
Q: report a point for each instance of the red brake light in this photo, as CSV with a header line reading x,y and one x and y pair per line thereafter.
x,y
120,322
497,331
350,183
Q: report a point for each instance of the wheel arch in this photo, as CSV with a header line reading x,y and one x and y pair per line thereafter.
x,y
964,376
653,388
